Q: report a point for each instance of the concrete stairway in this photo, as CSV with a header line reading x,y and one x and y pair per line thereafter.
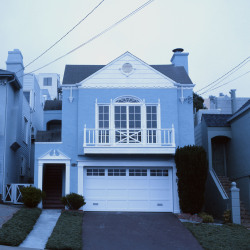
x,y
245,215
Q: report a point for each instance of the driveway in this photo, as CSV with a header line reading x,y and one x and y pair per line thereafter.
x,y
125,231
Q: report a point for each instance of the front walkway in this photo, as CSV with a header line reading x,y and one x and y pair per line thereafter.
x,y
145,231
42,230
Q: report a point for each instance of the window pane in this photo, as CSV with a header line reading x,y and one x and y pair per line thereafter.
x,y
106,109
123,109
137,109
153,109
100,109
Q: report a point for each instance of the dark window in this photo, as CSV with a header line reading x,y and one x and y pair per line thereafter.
x,y
116,172
47,81
95,172
158,172
137,172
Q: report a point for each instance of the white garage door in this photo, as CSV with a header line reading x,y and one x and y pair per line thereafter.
x,y
128,189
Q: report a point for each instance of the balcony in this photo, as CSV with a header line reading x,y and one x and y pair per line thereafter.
x,y
129,141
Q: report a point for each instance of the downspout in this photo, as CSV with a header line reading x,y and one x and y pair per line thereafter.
x,y
5,139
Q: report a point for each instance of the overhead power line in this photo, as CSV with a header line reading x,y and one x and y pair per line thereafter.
x,y
96,36
225,83
53,45
230,72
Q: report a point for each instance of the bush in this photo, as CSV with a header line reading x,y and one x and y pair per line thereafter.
x,y
31,196
227,216
192,169
73,201
206,218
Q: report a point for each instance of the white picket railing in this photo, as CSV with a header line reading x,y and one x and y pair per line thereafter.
x,y
121,137
12,193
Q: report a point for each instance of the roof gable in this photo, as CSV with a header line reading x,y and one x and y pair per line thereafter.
x,y
170,73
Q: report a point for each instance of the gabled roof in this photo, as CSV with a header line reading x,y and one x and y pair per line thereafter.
x,y
7,73
53,105
216,120
242,109
76,73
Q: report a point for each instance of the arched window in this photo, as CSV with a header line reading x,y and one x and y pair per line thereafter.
x,y
127,99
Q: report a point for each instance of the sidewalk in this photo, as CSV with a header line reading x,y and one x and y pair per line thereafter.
x,y
17,248
6,213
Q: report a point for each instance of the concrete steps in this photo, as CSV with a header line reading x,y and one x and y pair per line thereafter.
x,y
244,213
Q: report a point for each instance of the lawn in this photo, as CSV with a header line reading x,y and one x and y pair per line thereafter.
x,y
67,233
14,231
215,237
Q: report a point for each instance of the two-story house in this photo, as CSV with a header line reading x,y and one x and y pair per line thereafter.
x,y
120,126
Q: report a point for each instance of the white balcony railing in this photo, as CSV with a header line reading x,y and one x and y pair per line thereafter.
x,y
129,137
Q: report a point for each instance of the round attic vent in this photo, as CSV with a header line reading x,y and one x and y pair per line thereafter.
x,y
127,68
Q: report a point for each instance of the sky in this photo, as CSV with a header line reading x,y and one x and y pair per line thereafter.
x,y
214,32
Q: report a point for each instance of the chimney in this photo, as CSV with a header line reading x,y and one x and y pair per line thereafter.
x,y
180,59
233,100
14,63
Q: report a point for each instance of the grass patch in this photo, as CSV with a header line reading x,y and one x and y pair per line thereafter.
x,y
216,237
67,233
14,231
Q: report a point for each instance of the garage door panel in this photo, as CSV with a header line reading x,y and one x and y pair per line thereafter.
x,y
161,205
137,183
159,194
116,183
95,183
117,205
138,194
97,194
138,205
119,194
160,183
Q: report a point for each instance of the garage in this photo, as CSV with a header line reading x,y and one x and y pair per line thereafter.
x,y
128,189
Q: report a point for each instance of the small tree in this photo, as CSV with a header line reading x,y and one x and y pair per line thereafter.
x,y
198,102
192,168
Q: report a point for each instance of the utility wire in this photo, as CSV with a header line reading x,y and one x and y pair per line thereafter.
x,y
63,35
226,75
225,83
215,84
96,36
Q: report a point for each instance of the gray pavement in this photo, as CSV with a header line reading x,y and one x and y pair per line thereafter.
x,y
6,213
145,231
42,230
17,248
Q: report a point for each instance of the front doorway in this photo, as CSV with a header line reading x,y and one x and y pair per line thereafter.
x,y
53,185
219,155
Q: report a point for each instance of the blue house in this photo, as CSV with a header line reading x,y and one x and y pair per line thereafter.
x,y
225,137
120,126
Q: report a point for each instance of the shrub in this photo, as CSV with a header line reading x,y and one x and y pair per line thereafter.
x,y
31,196
73,201
207,218
192,169
227,216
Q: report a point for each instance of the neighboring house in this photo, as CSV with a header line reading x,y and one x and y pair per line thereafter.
x,y
50,82
120,126
15,133
224,102
225,137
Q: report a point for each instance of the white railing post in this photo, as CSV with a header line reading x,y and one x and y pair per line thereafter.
x,y
84,136
173,135
235,201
